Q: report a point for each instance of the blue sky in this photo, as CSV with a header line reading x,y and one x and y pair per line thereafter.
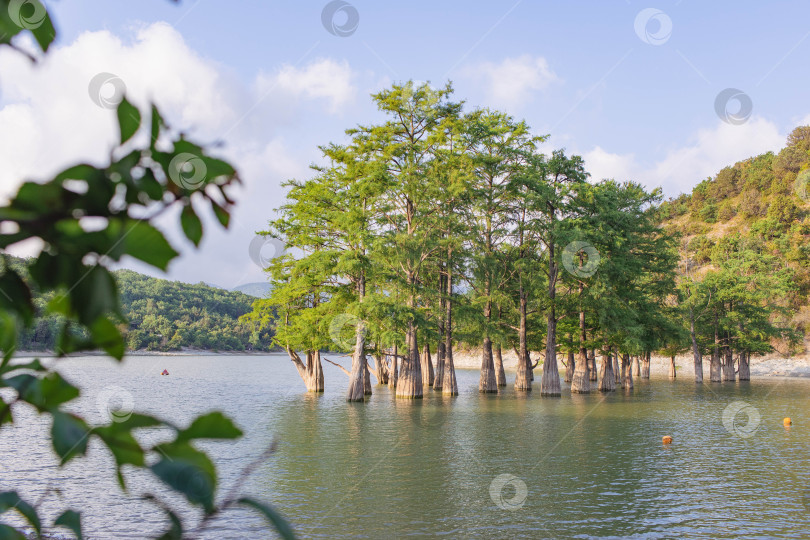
x,y
269,80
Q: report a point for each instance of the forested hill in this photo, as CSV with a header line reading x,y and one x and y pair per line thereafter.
x,y
760,205
166,315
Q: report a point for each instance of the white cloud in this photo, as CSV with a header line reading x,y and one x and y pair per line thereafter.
x,y
48,121
707,151
511,82
324,79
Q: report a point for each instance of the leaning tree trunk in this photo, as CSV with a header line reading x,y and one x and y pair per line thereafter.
x,y
523,377
569,367
627,373
608,382
449,385
645,365
745,367
637,366
672,367
392,373
427,366
500,374
357,377
696,354
311,372
728,366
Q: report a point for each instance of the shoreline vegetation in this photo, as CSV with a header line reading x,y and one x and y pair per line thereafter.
x,y
772,365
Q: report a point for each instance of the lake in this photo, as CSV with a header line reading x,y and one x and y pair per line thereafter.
x,y
512,465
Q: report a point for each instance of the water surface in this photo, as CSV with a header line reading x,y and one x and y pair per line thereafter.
x,y
579,466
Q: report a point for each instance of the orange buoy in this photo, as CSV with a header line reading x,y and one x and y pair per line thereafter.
x,y
787,421
666,439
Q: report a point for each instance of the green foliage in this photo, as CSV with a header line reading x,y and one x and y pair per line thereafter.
x,y
69,285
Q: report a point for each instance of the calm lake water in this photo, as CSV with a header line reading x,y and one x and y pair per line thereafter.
x,y
483,466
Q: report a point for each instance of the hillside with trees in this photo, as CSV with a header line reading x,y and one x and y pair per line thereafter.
x,y
160,315
744,244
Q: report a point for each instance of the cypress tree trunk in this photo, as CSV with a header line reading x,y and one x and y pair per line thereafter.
x,y
581,381
569,368
367,381
728,366
645,365
392,375
592,365
603,366
500,374
311,372
487,382
715,364
627,373
358,375
523,377
437,381
636,366
697,356
608,382
617,374
427,366
380,368
409,380
672,367
550,382
745,367
449,385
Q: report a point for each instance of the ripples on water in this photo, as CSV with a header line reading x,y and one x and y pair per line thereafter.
x,y
592,465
